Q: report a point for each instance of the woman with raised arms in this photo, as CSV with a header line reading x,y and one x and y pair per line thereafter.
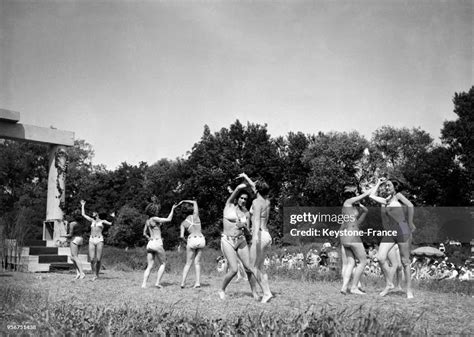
x,y
233,243
75,242
399,224
154,248
261,239
96,240
352,248
194,243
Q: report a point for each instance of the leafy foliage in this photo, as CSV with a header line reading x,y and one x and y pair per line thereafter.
x,y
302,170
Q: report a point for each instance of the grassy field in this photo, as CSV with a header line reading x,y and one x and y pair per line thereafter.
x,y
115,304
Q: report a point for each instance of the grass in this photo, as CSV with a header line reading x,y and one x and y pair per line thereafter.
x,y
305,303
65,318
135,260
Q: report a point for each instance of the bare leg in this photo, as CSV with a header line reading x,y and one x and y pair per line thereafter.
x,y
405,257
382,254
396,266
75,260
100,247
92,256
190,253
162,259
197,267
257,256
359,253
344,261
231,256
244,256
349,265
150,261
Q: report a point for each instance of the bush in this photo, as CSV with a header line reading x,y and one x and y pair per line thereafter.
x,y
127,230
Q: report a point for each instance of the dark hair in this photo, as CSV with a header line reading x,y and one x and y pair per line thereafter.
x,y
397,183
187,209
153,208
262,187
242,192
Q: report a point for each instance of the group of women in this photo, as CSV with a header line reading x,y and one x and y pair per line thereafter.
x,y
394,250
236,221
393,254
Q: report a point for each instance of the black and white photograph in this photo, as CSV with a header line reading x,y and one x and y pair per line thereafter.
x,y
236,167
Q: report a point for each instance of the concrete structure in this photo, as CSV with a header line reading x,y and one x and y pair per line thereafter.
x,y
53,226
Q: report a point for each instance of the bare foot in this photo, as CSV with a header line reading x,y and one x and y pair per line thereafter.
x,y
159,286
197,285
81,276
344,291
144,285
77,276
387,289
94,278
410,295
222,294
356,291
266,298
256,297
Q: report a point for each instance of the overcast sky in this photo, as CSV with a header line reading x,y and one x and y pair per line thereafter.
x,y
139,79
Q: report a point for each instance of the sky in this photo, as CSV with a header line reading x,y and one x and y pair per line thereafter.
x,y
138,80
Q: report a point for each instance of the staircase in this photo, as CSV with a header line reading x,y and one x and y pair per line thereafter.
x,y
42,256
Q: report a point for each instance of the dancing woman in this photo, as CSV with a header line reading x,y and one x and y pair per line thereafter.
x,y
233,243
401,227
194,244
154,248
261,238
96,240
352,248
75,242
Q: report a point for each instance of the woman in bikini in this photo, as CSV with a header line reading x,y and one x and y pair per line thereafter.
x,y
352,248
261,238
75,242
195,242
154,248
233,243
401,228
96,240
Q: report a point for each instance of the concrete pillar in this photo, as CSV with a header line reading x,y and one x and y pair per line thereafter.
x,y
57,168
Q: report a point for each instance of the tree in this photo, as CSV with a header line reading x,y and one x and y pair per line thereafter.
x,y
23,185
458,135
127,229
218,158
332,159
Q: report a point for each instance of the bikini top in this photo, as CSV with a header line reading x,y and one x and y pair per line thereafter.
x,y
191,223
152,224
97,224
230,213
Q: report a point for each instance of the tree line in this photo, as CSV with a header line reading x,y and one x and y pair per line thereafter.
x,y
301,169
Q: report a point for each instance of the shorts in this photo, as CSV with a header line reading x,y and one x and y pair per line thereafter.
x,y
154,245
96,239
196,241
77,240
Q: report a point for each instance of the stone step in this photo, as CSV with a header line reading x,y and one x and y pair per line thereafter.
x,y
52,258
43,250
60,266
36,243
